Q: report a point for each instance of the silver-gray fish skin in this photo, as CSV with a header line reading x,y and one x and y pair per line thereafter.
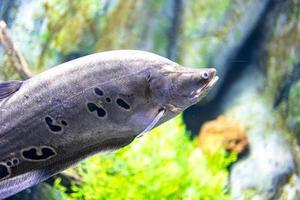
x,y
94,103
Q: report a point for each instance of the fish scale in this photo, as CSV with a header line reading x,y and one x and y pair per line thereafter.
x,y
95,103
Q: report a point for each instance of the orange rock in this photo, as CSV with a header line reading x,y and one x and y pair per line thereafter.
x,y
222,133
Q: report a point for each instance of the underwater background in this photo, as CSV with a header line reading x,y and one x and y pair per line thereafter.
x,y
241,142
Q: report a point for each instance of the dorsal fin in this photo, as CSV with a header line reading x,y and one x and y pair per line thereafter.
x,y
8,88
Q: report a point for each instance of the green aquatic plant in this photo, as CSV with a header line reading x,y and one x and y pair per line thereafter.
x,y
69,26
203,30
164,164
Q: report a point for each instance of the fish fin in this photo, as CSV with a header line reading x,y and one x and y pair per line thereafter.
x,y
153,123
8,88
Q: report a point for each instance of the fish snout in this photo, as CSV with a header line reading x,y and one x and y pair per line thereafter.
x,y
213,73
208,74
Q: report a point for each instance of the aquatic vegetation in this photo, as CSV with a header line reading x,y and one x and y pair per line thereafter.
x,y
281,60
203,31
165,164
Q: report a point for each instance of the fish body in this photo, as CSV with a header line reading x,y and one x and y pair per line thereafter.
x,y
98,102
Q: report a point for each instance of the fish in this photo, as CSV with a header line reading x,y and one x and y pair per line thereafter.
x,y
99,102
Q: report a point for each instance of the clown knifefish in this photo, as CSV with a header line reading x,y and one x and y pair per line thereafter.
x,y
98,102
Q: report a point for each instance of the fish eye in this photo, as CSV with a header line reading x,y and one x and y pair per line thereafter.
x,y
205,75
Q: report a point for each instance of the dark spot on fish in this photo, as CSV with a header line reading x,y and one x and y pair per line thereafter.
x,y
12,162
9,163
108,100
98,92
123,104
38,153
63,122
4,171
52,127
93,107
15,161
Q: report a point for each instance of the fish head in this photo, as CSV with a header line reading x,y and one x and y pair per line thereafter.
x,y
177,87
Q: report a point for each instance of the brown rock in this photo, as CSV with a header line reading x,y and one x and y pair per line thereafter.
x,y
222,133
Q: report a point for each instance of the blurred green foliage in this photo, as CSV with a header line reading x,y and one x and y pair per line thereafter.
x,y
88,26
164,164
59,28
67,25
205,26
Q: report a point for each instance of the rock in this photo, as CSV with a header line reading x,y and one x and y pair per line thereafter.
x,y
270,163
284,88
265,170
291,191
293,119
222,133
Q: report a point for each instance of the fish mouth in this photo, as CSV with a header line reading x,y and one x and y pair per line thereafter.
x,y
202,91
213,81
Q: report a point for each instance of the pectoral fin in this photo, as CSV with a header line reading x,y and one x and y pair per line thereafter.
x,y
8,88
153,123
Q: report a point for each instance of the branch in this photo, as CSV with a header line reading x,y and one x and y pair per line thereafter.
x,y
14,55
